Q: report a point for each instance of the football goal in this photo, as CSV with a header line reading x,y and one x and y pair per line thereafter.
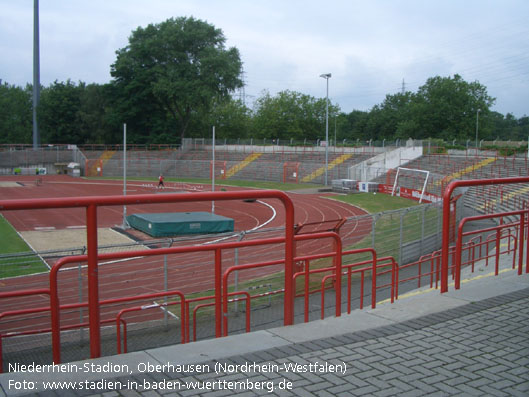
x,y
411,178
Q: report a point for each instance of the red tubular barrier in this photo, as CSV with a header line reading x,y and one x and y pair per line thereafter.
x,y
338,263
63,307
497,230
394,272
300,237
92,203
15,294
195,309
225,286
144,307
446,216
54,297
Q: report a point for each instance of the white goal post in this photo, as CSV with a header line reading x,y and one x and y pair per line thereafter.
x,y
413,170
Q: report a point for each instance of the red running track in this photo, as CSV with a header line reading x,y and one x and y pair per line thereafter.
x,y
187,272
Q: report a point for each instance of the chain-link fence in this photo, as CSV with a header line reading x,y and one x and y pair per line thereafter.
x,y
53,158
405,234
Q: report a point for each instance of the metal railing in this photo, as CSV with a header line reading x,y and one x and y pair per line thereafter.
x,y
92,203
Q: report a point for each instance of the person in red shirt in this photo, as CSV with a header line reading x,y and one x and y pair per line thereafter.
x,y
160,182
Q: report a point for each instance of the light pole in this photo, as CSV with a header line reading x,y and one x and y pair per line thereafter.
x,y
326,76
36,73
477,119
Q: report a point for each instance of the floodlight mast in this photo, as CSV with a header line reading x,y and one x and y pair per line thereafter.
x,y
326,76
36,73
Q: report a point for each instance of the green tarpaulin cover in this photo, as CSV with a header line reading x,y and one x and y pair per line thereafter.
x,y
176,223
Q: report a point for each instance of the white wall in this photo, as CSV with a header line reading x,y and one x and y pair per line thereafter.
x,y
372,168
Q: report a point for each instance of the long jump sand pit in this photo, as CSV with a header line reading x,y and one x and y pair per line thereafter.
x,y
64,239
9,184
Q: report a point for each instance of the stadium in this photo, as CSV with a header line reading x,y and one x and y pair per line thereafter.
x,y
296,249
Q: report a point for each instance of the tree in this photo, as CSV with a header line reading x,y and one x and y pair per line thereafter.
x,y
181,65
390,119
231,118
94,117
446,107
291,114
354,125
58,113
15,114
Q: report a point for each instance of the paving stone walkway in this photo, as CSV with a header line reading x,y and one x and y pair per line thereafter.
x,y
479,349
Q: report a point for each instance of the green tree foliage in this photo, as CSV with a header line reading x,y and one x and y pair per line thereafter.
x,y
58,113
231,118
91,113
354,125
95,115
77,113
446,107
391,119
291,114
180,66
15,114
508,127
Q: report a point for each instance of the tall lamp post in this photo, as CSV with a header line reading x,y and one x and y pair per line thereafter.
x,y
326,76
36,73
477,119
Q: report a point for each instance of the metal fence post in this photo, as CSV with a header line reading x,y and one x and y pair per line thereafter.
x,y
373,230
439,217
401,235
236,275
80,279
422,229
165,287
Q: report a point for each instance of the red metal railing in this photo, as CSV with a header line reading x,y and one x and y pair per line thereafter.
x,y
215,248
446,216
375,263
247,298
498,237
55,307
122,312
91,205
4,295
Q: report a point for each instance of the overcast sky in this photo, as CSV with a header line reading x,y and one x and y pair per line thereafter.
x,y
369,46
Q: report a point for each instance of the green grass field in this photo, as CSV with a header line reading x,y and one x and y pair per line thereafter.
x,y
12,243
373,203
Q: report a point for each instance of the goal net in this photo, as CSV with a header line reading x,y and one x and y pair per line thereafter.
x,y
410,178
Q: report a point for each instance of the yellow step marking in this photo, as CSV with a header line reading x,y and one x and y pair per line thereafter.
x,y
105,156
506,196
236,168
331,165
467,170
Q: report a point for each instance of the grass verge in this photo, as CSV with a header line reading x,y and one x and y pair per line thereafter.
x,y
373,203
12,243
